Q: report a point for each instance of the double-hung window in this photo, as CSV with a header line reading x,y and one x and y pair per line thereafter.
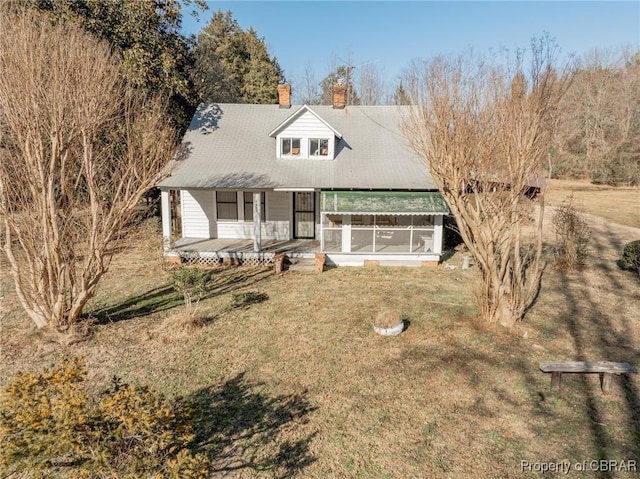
x,y
248,206
318,147
227,205
291,147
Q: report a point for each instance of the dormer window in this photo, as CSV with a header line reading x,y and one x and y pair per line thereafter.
x,y
305,136
291,147
318,147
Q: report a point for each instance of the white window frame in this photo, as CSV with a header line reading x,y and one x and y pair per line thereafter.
x,y
291,140
312,155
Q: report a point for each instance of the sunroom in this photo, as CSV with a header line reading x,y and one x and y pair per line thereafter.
x,y
382,223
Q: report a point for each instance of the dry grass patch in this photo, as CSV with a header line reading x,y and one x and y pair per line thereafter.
x,y
617,204
297,384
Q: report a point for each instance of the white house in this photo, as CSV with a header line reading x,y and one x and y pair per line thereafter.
x,y
254,180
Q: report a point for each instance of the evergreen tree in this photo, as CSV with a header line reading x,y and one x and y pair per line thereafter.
x,y
262,73
146,35
233,65
400,97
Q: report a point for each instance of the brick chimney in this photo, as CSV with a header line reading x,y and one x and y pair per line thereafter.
x,y
284,95
339,94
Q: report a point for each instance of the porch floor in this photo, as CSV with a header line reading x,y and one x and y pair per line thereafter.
x,y
245,246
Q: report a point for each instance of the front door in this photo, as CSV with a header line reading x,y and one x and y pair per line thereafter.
x,y
304,215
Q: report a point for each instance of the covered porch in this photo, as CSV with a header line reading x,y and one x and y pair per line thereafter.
x,y
220,250
348,227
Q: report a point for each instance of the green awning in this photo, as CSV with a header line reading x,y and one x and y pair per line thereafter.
x,y
383,202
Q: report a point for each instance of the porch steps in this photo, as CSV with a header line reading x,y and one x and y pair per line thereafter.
x,y
301,265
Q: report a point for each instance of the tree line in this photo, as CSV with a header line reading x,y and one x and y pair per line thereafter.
x,y
598,129
224,63
597,135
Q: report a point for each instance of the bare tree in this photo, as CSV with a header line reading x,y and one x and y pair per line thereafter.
x,y
307,87
80,149
370,85
484,129
598,128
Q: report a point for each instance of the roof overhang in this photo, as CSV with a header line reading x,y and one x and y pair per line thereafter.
x,y
300,189
383,202
297,114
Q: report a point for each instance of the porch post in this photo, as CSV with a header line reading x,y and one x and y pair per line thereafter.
x,y
257,218
166,219
438,234
346,233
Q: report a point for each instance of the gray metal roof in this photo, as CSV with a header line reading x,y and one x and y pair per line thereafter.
x,y
228,146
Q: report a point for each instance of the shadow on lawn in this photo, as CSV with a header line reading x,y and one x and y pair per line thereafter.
x,y
597,337
239,426
594,316
165,297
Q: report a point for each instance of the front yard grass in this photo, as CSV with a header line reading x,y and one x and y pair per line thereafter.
x,y
298,384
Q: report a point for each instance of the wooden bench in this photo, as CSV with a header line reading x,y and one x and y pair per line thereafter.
x,y
604,368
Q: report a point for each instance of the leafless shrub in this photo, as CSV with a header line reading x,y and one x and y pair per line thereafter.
x,y
191,283
80,149
572,235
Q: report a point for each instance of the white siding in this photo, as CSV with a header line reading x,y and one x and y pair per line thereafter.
x,y
198,214
305,127
271,230
276,228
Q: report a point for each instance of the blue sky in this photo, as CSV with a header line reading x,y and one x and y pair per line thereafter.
x,y
391,34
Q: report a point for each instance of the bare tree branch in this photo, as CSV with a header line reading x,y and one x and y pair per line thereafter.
x,y
370,85
484,129
80,150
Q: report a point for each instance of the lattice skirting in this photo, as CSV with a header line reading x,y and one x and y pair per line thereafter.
x,y
201,259
196,259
